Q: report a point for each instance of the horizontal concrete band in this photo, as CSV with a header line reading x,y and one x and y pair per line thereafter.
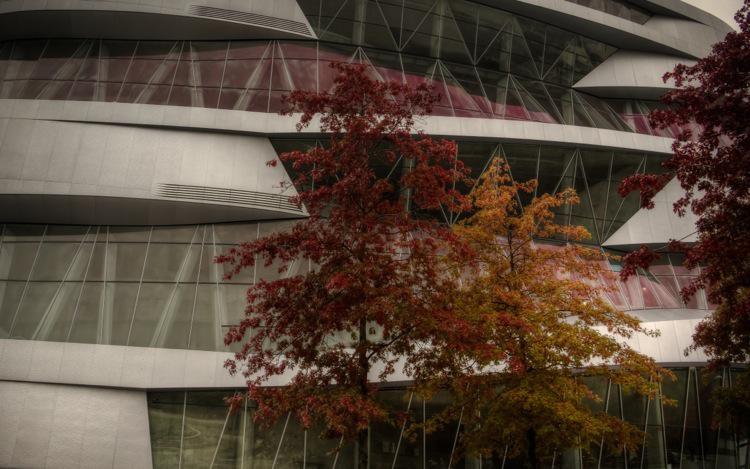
x,y
54,171
158,19
266,124
662,34
708,13
154,368
214,19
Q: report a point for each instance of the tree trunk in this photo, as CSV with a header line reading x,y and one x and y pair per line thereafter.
x,y
362,450
364,369
531,449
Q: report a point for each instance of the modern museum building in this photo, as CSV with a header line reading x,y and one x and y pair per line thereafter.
x,y
134,136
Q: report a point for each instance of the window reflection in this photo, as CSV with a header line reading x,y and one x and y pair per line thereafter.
x,y
195,427
484,62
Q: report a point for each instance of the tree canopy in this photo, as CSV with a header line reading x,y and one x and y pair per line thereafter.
x,y
543,324
373,294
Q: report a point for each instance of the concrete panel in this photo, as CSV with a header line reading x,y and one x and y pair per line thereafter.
x,y
627,74
257,123
658,225
135,175
677,37
61,426
157,19
717,14
113,366
142,368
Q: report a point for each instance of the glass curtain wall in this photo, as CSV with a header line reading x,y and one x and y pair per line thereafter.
x,y
195,429
159,286
595,174
484,62
137,286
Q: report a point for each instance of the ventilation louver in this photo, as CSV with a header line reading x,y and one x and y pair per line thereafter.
x,y
251,18
229,196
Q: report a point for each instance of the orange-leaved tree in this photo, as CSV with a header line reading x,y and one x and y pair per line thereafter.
x,y
374,301
541,323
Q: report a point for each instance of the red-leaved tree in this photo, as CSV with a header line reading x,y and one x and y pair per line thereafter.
x,y
711,161
375,296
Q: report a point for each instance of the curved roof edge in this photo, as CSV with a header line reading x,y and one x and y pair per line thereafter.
x,y
91,173
673,36
120,19
266,124
711,13
127,367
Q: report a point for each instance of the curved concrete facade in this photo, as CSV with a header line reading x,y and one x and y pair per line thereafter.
x,y
133,175
662,34
134,141
631,74
171,19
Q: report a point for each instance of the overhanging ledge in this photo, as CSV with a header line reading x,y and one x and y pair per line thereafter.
x,y
265,124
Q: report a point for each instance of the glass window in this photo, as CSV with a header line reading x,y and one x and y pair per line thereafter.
x,y
56,323
554,164
10,296
476,156
320,450
439,443
386,440
205,332
205,417
87,327
166,262
34,304
596,165
264,442
173,323
152,300
692,453
17,259
54,260
119,308
653,451
708,382
674,415
614,407
291,446
233,303
165,420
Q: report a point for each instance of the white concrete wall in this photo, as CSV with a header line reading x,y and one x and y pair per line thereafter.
x,y
628,74
690,39
91,160
61,426
658,225
113,366
155,19
287,9
260,123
